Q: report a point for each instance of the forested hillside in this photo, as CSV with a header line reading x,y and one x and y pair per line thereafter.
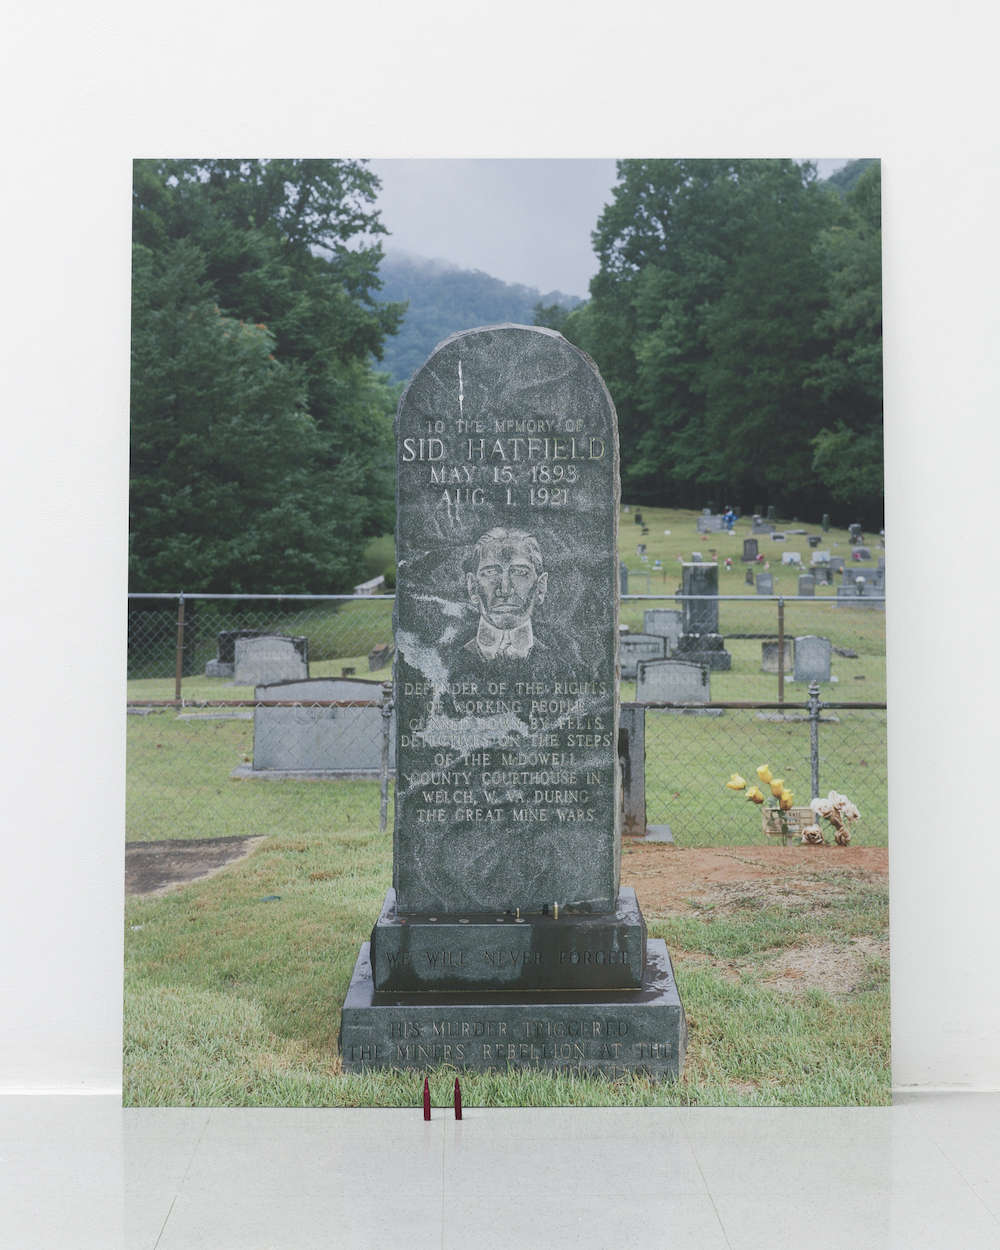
x,y
444,299
737,320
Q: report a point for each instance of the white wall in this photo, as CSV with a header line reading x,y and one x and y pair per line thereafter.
x,y
90,87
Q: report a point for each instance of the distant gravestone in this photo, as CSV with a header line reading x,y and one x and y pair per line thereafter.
x,y
636,647
225,651
640,549
762,527
881,563
769,656
701,642
663,623
706,512
826,522
778,536
814,540
672,681
807,584
790,557
749,577
623,576
696,557
837,564
812,658
337,742
823,575
765,583
819,557
863,553
750,550
709,524
270,658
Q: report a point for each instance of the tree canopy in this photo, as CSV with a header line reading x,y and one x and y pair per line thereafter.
x,y
736,318
261,438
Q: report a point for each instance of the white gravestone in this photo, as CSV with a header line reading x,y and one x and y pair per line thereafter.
x,y
636,647
790,557
334,741
664,623
260,661
812,658
820,557
672,681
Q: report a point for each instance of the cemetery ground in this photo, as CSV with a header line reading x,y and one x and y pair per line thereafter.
x,y
233,984
234,981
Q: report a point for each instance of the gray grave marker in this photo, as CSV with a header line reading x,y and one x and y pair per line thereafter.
x,y
664,623
506,845
812,658
269,658
765,583
769,656
636,647
672,681
318,742
807,584
750,550
701,642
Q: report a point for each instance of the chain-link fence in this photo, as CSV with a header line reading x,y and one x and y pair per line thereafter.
x,y
224,702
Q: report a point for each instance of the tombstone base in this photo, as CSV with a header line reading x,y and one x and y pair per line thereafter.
x,y
707,649
218,668
473,952
247,772
603,1033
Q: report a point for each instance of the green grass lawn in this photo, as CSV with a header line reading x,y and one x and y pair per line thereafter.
x,y
232,1001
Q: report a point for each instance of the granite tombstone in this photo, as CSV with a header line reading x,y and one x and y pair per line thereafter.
x,y
319,743
270,658
807,584
672,681
635,647
812,659
665,623
765,583
750,550
506,843
701,642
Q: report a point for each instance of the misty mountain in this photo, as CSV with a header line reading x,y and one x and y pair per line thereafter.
x,y
445,299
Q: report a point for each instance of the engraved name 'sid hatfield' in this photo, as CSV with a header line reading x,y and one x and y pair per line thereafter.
x,y
506,628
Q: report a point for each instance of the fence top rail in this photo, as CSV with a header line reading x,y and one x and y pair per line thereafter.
x,y
775,707
186,594
253,703
755,598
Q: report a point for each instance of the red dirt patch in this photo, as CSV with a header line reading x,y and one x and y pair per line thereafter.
x,y
665,877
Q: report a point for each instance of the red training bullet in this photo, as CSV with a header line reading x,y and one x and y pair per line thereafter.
x,y
458,1100
427,1100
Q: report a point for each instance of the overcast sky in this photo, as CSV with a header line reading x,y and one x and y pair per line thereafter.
x,y
524,221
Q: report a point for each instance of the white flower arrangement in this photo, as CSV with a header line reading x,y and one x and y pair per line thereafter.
x,y
839,811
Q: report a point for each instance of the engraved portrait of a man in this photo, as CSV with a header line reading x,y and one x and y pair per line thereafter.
x,y
506,582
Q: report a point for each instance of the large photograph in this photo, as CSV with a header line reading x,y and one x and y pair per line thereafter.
x,y
506,691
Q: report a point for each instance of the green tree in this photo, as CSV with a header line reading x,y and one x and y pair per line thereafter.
x,y
707,319
848,453
255,255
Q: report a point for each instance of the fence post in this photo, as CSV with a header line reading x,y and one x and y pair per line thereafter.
x,y
179,668
814,707
383,814
781,649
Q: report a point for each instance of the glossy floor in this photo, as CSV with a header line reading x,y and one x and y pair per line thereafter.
x,y
81,1174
